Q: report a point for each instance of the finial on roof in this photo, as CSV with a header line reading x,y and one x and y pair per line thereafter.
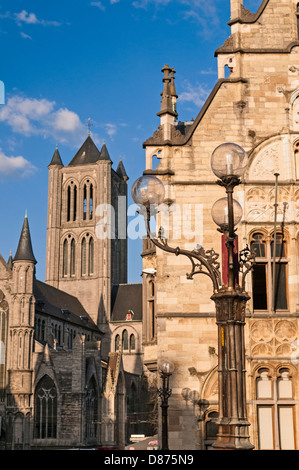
x,y
26,214
9,262
168,92
89,125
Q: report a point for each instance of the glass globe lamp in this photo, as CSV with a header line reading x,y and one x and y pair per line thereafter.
x,y
148,190
229,160
220,212
166,367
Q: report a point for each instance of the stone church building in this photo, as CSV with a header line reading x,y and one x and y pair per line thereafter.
x,y
255,104
62,385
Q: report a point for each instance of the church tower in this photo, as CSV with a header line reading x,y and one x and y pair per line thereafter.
x,y
86,233
21,329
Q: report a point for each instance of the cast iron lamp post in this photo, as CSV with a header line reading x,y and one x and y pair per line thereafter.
x,y
228,162
166,370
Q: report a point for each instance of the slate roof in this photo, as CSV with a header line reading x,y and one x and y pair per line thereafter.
x,y
61,305
25,251
89,153
126,297
56,159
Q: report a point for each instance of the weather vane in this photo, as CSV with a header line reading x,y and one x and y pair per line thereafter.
x,y
89,125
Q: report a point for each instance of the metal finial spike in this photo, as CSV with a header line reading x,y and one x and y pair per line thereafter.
x,y
89,125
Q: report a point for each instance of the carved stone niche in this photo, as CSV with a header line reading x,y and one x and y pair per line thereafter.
x,y
265,163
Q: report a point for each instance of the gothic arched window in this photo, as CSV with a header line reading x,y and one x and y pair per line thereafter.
x,y
275,410
45,418
84,201
125,340
68,217
91,406
73,257
117,342
75,204
65,257
132,343
91,257
83,257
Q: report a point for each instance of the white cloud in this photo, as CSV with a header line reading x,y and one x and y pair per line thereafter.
x,y
98,5
196,94
25,36
31,116
31,18
111,129
66,120
15,166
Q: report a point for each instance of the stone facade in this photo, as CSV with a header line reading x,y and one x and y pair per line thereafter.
x,y
255,107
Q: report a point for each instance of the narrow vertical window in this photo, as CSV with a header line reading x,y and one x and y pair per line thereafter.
x,y
73,257
259,273
125,342
91,257
117,342
83,257
279,257
75,203
68,218
297,13
91,201
132,343
45,425
65,258
84,202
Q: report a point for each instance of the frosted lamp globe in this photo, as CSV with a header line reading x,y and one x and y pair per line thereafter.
x,y
148,190
220,212
229,160
166,367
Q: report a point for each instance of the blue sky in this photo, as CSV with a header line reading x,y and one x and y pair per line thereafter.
x,y
65,61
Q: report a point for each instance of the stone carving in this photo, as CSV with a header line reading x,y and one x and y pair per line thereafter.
x,y
265,164
272,337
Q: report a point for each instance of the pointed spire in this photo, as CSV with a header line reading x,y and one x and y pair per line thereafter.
x,y
104,153
166,102
88,153
121,170
172,84
9,262
56,159
24,251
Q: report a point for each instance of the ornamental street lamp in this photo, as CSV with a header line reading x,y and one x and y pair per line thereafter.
x,y
228,162
166,370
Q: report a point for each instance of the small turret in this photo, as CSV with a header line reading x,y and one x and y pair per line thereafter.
x,y
56,159
25,251
168,114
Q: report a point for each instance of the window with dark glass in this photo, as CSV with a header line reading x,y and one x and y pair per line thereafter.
x,y
125,341
65,257
45,418
73,257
